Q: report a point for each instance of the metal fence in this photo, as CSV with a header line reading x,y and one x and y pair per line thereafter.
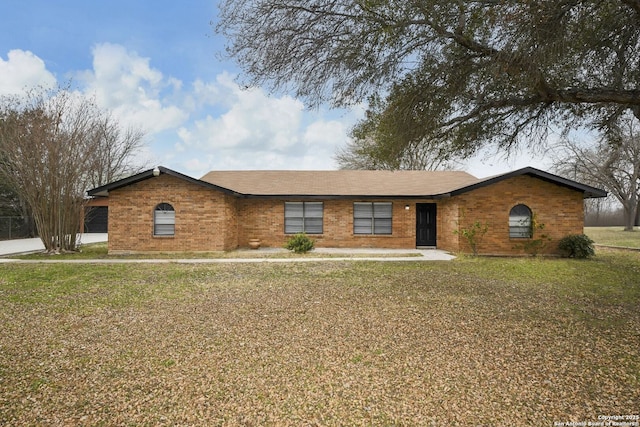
x,y
13,227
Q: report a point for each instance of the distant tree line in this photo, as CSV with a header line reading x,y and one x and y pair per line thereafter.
x,y
605,213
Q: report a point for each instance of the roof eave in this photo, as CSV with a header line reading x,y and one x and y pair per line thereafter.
x,y
342,196
103,190
588,192
151,173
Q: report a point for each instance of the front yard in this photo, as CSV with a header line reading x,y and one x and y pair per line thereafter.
x,y
614,236
469,342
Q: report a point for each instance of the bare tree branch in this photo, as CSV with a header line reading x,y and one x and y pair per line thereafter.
x,y
468,63
614,163
53,145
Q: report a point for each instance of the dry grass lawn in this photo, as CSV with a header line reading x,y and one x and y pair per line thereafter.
x,y
614,236
469,342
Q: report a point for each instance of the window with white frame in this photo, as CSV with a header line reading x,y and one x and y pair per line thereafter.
x,y
303,217
520,222
164,220
372,217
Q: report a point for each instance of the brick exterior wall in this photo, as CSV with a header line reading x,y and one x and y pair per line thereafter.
x,y
264,219
558,208
205,219
447,223
209,220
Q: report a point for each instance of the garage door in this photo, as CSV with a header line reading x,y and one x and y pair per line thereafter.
x,y
96,219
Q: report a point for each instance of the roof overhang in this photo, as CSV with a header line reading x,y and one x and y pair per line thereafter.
x,y
149,174
588,192
294,197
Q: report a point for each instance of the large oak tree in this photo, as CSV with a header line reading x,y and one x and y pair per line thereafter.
x,y
461,73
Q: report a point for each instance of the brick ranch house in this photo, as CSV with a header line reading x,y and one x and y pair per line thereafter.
x,y
163,210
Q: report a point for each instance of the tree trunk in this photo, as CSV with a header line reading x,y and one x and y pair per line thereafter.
x,y
630,211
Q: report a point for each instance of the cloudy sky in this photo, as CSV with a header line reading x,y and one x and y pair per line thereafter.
x,y
156,65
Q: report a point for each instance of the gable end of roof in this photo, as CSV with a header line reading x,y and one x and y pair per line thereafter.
x,y
587,190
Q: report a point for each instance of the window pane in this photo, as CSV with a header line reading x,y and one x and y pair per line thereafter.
x,y
303,217
382,226
164,207
313,210
313,225
383,210
520,210
293,225
520,222
164,219
164,230
518,232
362,225
363,210
293,209
293,217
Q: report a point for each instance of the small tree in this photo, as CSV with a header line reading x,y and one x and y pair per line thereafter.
x,y
50,145
473,234
115,149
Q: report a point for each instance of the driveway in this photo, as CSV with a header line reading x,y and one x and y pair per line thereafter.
x,y
21,246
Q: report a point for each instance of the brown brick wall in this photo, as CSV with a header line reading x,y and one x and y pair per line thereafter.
x,y
264,219
208,220
558,208
205,219
448,211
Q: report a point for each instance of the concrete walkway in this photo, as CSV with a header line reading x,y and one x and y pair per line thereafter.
x,y
22,246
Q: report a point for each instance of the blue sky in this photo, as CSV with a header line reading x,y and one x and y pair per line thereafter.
x,y
156,65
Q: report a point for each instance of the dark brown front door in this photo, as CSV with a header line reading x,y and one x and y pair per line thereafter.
x,y
425,224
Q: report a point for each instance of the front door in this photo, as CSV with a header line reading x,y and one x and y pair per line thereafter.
x,y
425,224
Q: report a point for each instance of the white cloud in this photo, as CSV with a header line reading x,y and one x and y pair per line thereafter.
x,y
22,70
252,121
247,129
325,133
126,84
204,94
197,126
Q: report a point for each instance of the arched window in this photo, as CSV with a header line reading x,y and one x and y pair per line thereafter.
x,y
520,222
164,220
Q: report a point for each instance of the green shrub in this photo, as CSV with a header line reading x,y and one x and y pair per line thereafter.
x,y
577,246
473,234
300,243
